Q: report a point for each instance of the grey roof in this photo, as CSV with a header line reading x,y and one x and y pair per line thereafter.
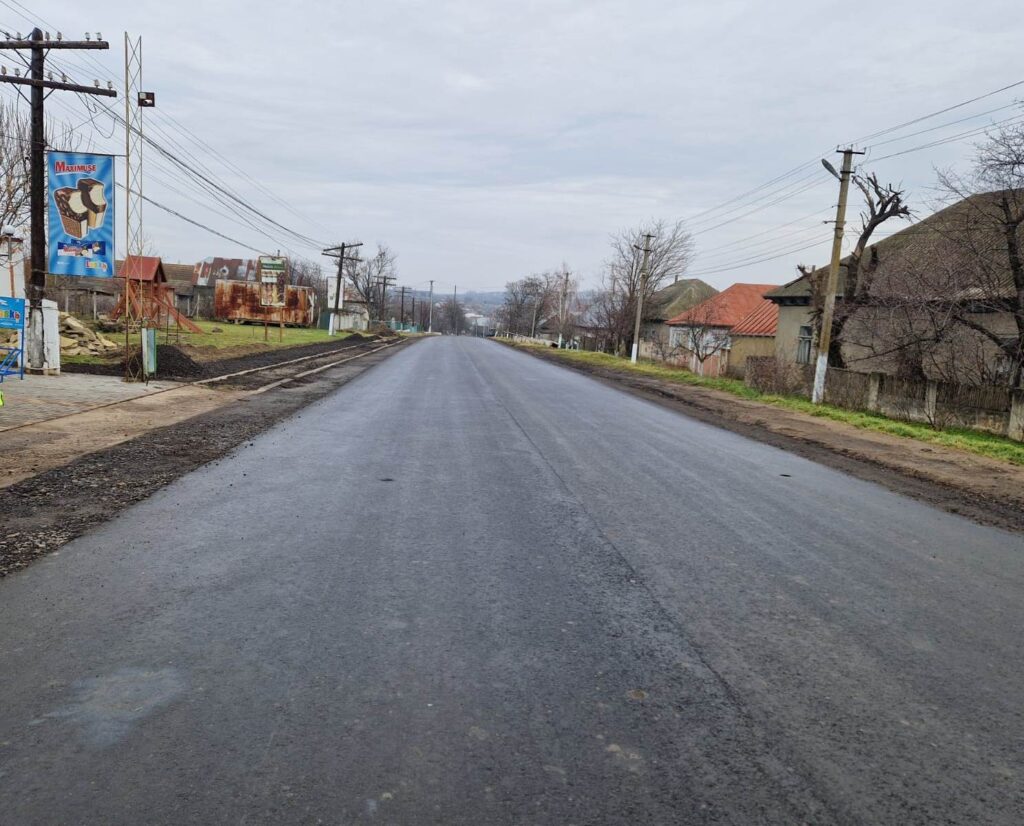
x,y
677,298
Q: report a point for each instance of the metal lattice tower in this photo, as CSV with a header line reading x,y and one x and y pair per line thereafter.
x,y
133,141
133,145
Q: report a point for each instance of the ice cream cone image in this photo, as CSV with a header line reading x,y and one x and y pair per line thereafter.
x,y
73,213
94,198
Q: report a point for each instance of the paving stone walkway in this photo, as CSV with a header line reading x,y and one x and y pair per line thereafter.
x,y
40,398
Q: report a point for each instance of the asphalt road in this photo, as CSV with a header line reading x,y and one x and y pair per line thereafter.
x,y
472,587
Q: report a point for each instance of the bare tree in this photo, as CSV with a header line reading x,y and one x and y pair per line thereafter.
x,y
15,172
368,278
671,250
450,317
701,336
305,273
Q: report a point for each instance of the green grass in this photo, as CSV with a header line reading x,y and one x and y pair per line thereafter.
x,y
240,335
983,444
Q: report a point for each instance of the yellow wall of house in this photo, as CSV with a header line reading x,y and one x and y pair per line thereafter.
x,y
745,346
787,334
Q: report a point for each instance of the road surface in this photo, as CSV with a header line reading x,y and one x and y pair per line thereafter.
x,y
472,587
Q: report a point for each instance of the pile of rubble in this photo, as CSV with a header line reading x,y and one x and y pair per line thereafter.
x,y
78,340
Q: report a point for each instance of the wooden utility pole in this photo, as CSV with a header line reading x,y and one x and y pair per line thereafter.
x,y
339,288
430,311
828,311
39,44
640,297
401,314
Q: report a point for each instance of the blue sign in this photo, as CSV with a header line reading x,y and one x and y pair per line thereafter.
x,y
12,317
12,313
81,198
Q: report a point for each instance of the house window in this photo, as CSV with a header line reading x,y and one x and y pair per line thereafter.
x,y
803,345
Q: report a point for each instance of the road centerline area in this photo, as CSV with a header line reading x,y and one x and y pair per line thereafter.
x,y
474,587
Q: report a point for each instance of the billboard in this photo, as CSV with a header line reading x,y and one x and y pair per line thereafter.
x,y
273,276
81,214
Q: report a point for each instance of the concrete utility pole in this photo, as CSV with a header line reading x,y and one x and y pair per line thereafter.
x,y
39,44
430,310
640,297
828,311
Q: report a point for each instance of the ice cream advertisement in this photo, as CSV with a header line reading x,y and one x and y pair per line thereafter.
x,y
81,214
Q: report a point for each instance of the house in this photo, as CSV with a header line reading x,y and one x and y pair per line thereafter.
x,y
933,301
666,303
701,337
753,336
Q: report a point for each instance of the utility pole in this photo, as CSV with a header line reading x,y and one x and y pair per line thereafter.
x,y
640,296
561,306
382,283
828,311
339,289
455,310
415,323
39,44
401,314
430,310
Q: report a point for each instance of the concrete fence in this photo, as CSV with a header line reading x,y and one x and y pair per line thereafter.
x,y
987,408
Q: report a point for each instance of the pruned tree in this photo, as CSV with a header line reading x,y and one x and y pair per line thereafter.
x,y
948,302
671,251
882,202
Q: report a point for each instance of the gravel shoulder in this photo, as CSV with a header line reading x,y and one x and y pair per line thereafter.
x,y
93,465
986,490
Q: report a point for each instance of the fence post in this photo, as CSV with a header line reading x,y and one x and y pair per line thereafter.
x,y
931,398
1015,427
874,385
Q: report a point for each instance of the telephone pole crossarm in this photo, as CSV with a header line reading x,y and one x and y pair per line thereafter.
x,y
57,84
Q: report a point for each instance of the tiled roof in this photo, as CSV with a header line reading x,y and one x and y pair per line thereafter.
x,y
728,308
676,298
142,268
761,322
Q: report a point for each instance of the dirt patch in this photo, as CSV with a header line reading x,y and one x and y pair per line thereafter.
x,y
41,513
985,490
34,448
187,362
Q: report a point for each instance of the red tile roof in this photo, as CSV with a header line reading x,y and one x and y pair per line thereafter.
x,y
761,322
728,308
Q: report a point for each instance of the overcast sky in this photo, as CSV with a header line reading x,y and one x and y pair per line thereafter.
x,y
487,140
